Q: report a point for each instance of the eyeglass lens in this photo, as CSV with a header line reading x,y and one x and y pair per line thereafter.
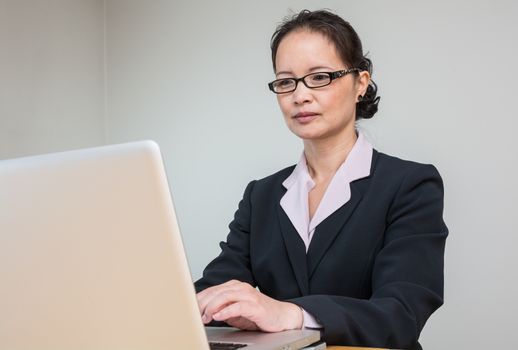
x,y
312,80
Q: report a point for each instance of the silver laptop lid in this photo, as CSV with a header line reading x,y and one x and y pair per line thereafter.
x,y
90,254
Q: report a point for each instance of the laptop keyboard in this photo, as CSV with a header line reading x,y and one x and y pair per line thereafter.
x,y
225,346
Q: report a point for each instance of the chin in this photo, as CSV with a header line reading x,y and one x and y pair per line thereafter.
x,y
308,134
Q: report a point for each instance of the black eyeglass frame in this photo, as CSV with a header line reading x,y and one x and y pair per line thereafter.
x,y
332,76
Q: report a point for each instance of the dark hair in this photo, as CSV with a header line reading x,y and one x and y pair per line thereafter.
x,y
346,41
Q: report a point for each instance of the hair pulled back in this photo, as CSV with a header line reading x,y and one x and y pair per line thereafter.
x,y
346,41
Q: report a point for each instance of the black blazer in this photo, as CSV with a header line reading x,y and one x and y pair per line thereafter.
x,y
373,273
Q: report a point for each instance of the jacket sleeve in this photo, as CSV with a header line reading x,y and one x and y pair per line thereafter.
x,y
407,277
234,260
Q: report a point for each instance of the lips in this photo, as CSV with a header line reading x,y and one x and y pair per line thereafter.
x,y
305,117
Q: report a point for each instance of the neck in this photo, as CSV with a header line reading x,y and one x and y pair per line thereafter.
x,y
324,157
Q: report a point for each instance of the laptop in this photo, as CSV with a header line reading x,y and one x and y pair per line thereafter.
x,y
91,257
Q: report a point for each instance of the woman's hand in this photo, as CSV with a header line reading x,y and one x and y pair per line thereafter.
x,y
242,306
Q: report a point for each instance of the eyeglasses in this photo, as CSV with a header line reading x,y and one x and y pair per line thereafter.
x,y
312,80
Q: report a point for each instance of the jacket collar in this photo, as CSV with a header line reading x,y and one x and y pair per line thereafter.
x,y
299,184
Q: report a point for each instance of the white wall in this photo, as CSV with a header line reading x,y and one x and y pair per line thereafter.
x,y
179,74
192,75
51,75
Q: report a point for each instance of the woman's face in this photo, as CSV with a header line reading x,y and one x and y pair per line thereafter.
x,y
325,112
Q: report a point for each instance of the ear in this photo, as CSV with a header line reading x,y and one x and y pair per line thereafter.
x,y
362,83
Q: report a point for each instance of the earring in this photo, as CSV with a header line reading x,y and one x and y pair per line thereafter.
x,y
360,98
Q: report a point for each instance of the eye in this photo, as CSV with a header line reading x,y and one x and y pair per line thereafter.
x,y
319,77
283,83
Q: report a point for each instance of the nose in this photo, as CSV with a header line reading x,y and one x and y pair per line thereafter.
x,y
302,94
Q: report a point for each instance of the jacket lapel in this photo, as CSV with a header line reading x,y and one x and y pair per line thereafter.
x,y
327,230
296,251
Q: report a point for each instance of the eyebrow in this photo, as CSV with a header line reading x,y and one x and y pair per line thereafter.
x,y
312,69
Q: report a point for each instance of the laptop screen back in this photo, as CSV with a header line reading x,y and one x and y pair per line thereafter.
x,y
90,254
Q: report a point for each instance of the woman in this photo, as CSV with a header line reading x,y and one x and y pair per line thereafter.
x,y
350,240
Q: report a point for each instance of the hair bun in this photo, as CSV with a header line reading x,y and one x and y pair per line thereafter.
x,y
368,106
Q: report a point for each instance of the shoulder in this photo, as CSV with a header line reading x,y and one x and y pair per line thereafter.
x,y
275,179
268,186
394,168
401,181
409,185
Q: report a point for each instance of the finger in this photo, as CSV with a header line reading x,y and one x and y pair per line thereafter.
x,y
242,308
242,323
208,292
218,286
207,296
225,299
267,316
